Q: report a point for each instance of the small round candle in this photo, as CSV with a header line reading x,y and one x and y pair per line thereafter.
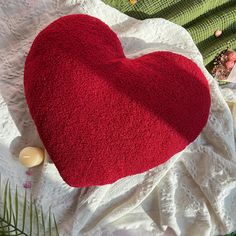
x,y
31,156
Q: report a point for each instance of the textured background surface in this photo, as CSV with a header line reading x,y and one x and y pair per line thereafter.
x,y
194,193
200,17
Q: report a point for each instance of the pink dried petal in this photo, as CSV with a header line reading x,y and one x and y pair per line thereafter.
x,y
229,64
218,33
232,56
27,184
29,172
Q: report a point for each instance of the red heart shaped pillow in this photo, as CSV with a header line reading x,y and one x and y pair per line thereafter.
x,y
102,116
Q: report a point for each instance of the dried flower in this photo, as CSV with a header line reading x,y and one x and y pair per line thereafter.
x,y
223,64
229,64
29,172
232,56
27,184
133,2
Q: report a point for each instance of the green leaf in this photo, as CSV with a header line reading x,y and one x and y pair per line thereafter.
x,y
9,203
16,208
2,231
24,211
31,215
49,222
9,217
5,211
37,218
55,224
44,230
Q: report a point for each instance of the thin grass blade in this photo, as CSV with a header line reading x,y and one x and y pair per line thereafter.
x,y
43,223
56,227
24,211
31,215
49,222
37,218
16,208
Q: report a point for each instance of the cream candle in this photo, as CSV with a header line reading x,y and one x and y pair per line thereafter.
x,y
31,156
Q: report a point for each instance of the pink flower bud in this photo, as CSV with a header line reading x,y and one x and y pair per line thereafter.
x,y
27,184
232,56
218,33
229,64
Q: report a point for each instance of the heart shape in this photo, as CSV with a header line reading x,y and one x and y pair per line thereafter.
x,y
102,116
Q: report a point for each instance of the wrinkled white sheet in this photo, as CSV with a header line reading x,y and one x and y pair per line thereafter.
x,y
193,194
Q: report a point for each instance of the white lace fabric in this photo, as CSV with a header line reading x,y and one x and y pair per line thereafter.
x,y
194,193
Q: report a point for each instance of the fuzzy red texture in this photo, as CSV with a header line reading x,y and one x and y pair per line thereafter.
x,y
102,116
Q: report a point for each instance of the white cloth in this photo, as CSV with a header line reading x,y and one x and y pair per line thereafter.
x,y
194,193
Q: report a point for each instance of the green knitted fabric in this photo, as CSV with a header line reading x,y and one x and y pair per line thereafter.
x,y
200,17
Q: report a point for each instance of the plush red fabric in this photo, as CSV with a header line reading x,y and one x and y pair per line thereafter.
x,y
102,116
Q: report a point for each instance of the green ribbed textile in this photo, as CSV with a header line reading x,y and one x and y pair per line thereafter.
x,y
200,17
